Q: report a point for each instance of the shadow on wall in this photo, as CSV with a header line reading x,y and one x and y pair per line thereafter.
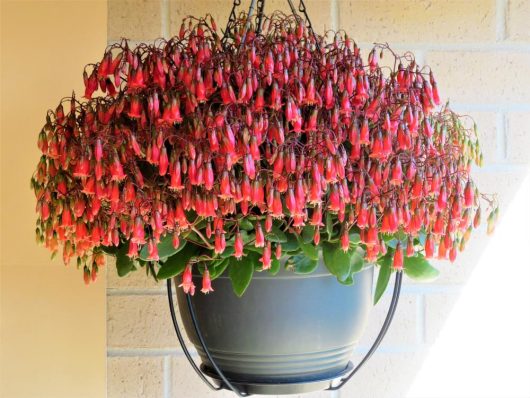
x,y
471,338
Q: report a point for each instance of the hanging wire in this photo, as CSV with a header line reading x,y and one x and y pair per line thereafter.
x,y
261,7
293,8
247,25
231,20
303,9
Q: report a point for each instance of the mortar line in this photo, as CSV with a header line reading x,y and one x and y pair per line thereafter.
x,y
135,292
495,107
500,20
146,352
489,47
165,19
335,16
502,168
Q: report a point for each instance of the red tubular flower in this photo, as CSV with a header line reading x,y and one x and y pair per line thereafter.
x,y
270,126
163,162
220,242
266,257
469,195
345,240
278,251
187,281
152,250
397,262
82,168
225,192
133,250
397,174
135,109
206,282
248,166
316,236
429,246
238,246
364,138
260,238
116,170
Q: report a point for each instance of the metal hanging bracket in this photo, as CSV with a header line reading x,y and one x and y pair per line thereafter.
x,y
226,383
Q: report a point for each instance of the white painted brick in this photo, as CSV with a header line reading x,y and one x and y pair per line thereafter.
x,y
320,11
518,137
185,383
485,77
437,309
134,280
384,376
131,377
413,21
139,20
139,322
402,332
517,16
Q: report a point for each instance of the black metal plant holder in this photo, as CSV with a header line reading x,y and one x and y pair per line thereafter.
x,y
225,382
230,385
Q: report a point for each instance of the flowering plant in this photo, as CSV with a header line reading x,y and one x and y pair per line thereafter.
x,y
269,143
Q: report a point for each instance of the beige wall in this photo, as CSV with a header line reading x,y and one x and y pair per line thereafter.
x,y
52,326
480,52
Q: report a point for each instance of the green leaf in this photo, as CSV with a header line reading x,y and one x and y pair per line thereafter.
x,y
124,264
240,273
229,251
357,260
176,263
254,249
348,281
308,233
111,250
309,249
165,247
336,260
291,244
419,269
275,266
354,237
303,264
246,224
216,269
383,277
276,235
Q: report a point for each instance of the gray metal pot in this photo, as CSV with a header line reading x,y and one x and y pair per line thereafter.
x,y
287,330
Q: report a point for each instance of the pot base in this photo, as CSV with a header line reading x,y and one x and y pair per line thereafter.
x,y
275,388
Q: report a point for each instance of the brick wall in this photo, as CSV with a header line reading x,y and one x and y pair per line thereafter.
x,y
480,52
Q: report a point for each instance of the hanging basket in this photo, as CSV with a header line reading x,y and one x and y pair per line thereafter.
x,y
289,333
